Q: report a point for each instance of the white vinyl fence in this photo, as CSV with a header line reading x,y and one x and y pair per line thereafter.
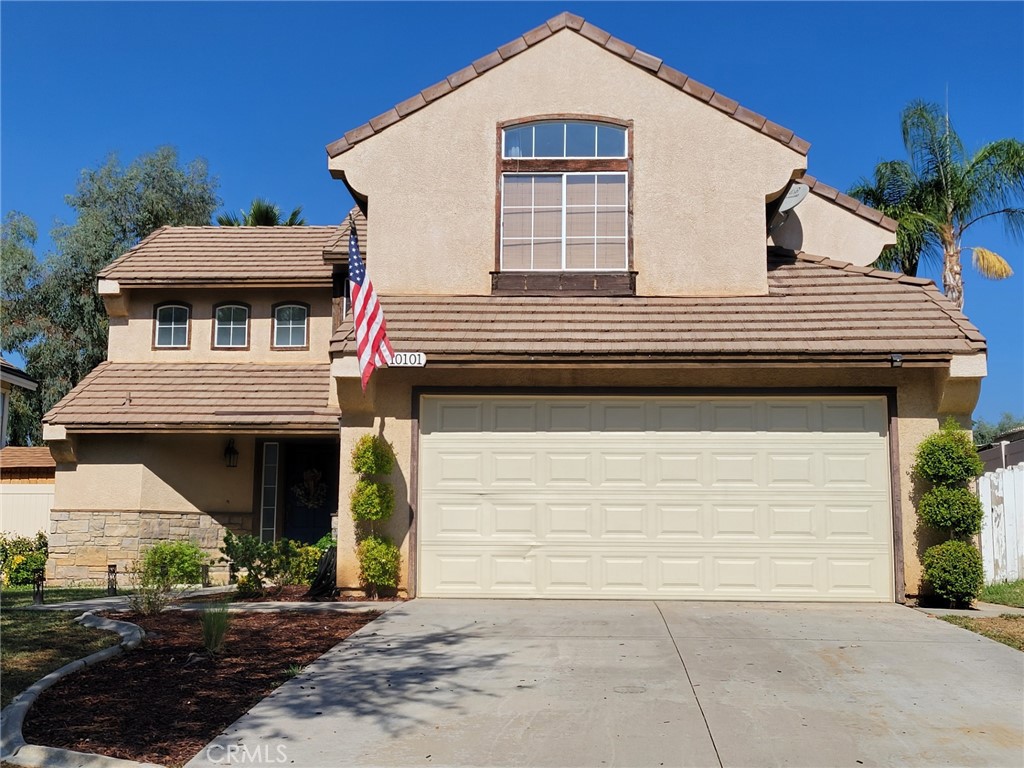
x,y
1002,529
25,507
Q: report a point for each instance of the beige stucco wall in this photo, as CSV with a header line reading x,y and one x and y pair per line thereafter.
x,y
918,397
131,337
822,228
157,472
700,178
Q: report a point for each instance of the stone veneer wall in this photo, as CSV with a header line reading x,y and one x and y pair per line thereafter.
x,y
83,542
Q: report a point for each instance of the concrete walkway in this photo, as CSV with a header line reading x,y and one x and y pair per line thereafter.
x,y
578,683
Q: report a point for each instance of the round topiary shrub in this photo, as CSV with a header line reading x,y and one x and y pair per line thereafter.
x,y
379,563
952,509
372,501
373,455
948,457
955,571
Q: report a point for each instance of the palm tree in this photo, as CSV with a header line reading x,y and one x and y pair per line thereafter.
x,y
941,192
262,213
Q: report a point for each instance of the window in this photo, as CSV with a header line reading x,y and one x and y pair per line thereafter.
x,y
231,326
290,325
565,197
171,326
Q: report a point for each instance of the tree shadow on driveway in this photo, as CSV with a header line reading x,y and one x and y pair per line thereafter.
x,y
383,682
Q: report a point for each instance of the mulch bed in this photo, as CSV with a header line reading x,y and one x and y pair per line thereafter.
x,y
165,701
289,594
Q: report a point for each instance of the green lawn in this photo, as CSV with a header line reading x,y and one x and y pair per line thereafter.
x,y
34,643
1007,593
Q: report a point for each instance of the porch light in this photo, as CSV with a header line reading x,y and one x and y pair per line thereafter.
x,y
231,454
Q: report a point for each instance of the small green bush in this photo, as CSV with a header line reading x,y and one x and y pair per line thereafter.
x,y
373,455
956,510
294,563
249,586
21,557
215,622
379,563
948,457
955,571
372,501
169,563
327,541
147,596
253,556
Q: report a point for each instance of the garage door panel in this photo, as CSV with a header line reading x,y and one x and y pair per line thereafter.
x,y
764,498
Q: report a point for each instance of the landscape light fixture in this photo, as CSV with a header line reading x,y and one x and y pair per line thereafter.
x,y
231,454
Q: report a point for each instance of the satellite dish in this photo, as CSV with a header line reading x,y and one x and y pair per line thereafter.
x,y
796,194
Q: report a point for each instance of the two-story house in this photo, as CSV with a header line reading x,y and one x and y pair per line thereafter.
x,y
657,361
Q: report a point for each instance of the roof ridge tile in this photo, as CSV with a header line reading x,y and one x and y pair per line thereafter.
x,y
596,35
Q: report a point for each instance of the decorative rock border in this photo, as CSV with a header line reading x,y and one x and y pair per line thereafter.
x,y
14,749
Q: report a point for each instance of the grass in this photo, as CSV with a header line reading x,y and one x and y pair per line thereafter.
x,y
1007,593
34,643
1007,629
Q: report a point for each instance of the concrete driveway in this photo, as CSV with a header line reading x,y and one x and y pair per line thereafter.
x,y
579,683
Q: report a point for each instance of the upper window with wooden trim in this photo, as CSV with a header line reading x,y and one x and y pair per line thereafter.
x,y
291,326
171,326
231,326
565,197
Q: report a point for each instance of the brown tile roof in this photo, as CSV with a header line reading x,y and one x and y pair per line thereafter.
x,y
136,397
568,21
850,203
815,307
336,250
286,256
18,457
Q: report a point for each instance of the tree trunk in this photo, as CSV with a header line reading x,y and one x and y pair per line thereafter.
x,y
952,276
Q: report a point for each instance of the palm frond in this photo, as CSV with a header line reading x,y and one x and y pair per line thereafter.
x,y
990,264
295,218
229,220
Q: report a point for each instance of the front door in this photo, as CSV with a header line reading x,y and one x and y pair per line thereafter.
x,y
300,489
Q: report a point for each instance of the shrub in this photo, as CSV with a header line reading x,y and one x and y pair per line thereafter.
x,y
146,597
215,622
379,563
294,563
249,586
373,455
372,500
956,510
307,564
21,557
169,563
955,571
327,541
948,457
253,556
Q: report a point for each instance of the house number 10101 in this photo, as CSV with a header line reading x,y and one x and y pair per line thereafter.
x,y
408,360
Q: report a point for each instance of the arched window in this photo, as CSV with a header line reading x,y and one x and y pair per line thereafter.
x,y
171,326
231,326
291,326
565,196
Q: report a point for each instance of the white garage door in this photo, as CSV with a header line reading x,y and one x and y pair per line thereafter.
x,y
774,498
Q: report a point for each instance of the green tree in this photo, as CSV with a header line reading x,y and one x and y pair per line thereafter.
x,y
941,191
986,432
262,213
52,314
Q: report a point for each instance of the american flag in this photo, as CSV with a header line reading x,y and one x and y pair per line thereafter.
x,y
372,343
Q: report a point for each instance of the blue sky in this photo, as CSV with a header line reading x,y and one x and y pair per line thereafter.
x,y
258,89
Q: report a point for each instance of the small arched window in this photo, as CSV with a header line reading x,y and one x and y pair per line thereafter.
x,y
171,326
291,326
565,196
231,326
